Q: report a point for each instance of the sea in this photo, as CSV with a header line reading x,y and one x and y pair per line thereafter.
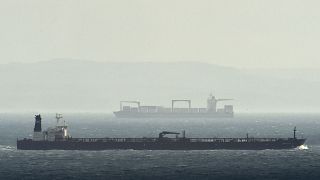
x,y
299,163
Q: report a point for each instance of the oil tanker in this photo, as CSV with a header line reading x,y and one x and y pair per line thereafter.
x,y
58,138
138,111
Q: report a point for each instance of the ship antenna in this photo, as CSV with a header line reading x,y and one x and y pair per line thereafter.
x,y
294,132
58,117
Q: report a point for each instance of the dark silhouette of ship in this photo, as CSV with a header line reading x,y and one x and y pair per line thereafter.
x,y
139,111
57,138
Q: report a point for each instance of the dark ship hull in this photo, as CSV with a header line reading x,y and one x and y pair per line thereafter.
x,y
161,144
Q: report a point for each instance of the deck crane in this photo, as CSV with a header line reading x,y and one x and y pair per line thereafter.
x,y
133,102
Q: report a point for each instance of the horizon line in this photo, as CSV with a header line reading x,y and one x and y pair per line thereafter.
x,y
152,62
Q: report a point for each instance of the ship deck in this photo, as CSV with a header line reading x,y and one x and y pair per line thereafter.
x,y
208,140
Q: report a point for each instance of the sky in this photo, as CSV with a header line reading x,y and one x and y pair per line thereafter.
x,y
246,33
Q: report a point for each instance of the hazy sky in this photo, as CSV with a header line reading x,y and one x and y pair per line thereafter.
x,y
255,33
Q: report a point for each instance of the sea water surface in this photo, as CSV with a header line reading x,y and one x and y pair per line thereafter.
x,y
299,163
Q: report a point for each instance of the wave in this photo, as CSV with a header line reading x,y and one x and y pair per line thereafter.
x,y
303,147
7,148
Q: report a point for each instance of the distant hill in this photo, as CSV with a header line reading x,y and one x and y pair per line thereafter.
x,y
72,85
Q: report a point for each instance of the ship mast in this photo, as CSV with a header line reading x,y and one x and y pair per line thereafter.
x,y
58,117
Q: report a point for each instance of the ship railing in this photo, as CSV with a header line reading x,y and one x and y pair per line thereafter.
x,y
238,140
113,139
207,140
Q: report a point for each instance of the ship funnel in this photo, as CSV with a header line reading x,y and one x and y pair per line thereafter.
x,y
37,131
37,124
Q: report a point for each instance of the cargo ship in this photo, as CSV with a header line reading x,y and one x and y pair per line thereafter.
x,y
138,111
58,138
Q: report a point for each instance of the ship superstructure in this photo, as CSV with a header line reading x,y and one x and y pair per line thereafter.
x,y
60,131
139,111
58,138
